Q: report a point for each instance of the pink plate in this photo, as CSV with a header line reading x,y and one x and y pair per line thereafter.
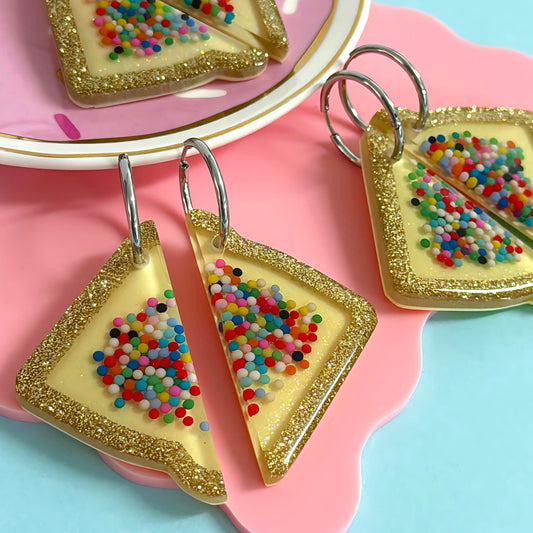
x,y
41,127
288,188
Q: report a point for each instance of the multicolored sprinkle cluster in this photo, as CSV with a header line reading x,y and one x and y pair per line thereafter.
x,y
267,335
459,230
147,361
491,169
143,27
221,9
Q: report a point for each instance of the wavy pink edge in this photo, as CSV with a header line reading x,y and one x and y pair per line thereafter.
x,y
387,372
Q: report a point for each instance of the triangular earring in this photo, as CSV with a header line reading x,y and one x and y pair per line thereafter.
x,y
290,333
115,371
452,203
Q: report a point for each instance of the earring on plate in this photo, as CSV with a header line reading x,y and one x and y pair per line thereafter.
x,y
449,193
290,333
115,371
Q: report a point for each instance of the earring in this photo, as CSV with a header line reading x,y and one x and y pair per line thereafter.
x,y
115,371
290,333
450,196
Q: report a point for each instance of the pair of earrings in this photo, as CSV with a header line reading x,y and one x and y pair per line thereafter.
x,y
116,373
450,195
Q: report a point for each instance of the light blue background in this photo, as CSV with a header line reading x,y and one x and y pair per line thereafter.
x,y
457,459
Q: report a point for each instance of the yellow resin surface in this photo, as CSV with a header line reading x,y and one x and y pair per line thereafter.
x,y
75,375
275,431
257,23
97,55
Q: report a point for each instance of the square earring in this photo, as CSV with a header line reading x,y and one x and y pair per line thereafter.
x,y
450,196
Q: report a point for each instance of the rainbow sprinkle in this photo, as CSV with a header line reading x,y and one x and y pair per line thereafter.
x,y
457,229
267,336
147,361
143,28
221,9
491,169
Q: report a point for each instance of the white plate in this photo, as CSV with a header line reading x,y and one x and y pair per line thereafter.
x,y
31,136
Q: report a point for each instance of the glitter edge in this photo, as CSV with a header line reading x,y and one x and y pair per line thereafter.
x,y
401,284
36,396
363,320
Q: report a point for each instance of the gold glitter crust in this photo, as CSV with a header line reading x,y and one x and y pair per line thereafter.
x,y
280,455
403,286
58,409
87,89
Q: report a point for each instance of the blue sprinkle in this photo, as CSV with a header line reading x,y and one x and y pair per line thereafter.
x,y
155,403
98,355
246,382
183,348
260,393
101,370
133,364
185,385
226,288
141,385
178,328
119,379
163,352
179,338
120,402
172,322
425,146
204,426
150,394
174,401
152,354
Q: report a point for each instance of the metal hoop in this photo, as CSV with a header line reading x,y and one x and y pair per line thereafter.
x,y
218,182
396,123
130,203
405,64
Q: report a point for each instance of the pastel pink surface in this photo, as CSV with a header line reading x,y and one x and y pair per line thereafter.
x,y
288,188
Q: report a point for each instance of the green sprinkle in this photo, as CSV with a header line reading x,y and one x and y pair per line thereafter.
x,y
159,387
113,55
188,404
127,372
169,294
168,418
317,319
425,243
